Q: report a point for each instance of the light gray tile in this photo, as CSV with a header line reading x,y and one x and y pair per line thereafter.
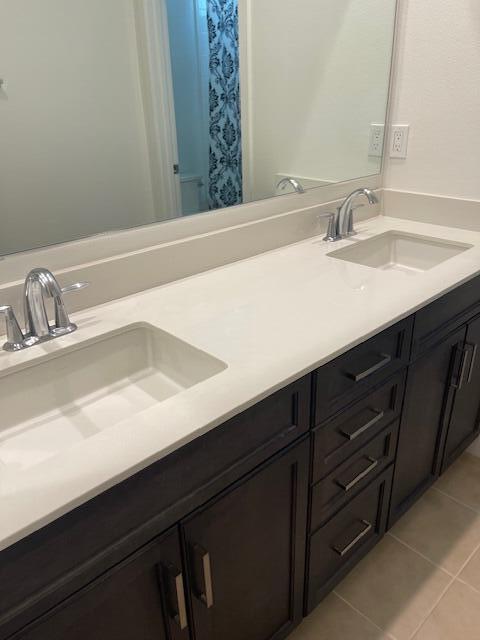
x,y
394,587
471,573
462,481
456,617
333,619
441,529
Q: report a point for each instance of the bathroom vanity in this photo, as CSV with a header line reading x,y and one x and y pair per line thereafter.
x,y
245,408
240,529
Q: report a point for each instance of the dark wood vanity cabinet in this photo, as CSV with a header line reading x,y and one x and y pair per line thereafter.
x,y
353,374
337,546
48,566
240,574
353,456
442,401
141,597
464,425
246,553
428,401
267,512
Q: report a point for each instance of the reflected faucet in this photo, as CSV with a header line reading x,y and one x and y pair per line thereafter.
x,y
342,224
294,183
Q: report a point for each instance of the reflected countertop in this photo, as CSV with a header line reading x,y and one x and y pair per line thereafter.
x,y
272,318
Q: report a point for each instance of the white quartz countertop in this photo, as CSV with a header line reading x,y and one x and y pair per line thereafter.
x,y
272,319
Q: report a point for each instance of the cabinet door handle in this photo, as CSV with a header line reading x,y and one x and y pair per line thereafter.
x,y
179,613
347,486
458,385
366,528
385,359
205,596
474,348
368,425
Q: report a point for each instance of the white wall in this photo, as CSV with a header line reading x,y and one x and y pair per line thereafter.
x,y
319,78
438,94
73,155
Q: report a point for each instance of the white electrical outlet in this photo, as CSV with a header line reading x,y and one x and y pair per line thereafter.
x,y
377,135
399,141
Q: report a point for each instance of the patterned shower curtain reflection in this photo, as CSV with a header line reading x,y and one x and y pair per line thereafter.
x,y
225,170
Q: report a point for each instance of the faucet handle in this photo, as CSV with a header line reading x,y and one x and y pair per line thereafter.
x,y
350,228
63,325
76,286
15,337
332,231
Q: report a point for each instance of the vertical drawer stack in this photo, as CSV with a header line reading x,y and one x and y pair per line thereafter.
x,y
357,408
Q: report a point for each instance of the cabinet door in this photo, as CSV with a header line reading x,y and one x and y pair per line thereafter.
x,y
140,598
427,407
246,554
464,423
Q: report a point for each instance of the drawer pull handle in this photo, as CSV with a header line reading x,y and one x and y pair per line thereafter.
x,y
368,425
358,377
206,596
367,527
373,464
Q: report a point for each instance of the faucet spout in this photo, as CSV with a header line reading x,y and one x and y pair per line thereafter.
x,y
345,212
41,284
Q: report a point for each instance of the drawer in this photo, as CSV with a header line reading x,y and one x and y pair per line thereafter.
x,y
346,538
445,314
341,437
350,376
342,484
119,521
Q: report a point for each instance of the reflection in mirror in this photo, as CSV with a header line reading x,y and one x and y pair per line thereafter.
x,y
121,113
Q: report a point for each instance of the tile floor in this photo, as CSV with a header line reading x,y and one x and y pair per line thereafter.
x,y
422,582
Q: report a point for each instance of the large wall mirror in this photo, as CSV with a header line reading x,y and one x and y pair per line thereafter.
x,y
120,113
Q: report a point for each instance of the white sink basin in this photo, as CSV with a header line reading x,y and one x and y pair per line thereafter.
x,y
400,251
74,394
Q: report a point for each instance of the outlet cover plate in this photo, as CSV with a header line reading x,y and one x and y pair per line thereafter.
x,y
399,141
377,136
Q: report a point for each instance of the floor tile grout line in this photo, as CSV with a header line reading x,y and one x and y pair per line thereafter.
x,y
439,566
467,506
363,615
424,557
467,584
467,561
452,577
444,592
433,607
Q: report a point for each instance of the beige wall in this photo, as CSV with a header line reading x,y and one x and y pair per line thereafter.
x,y
73,156
438,94
319,78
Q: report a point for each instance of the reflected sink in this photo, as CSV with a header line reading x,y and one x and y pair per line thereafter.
x,y
395,250
76,393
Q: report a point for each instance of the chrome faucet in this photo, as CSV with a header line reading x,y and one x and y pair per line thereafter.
x,y
294,183
39,285
341,224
